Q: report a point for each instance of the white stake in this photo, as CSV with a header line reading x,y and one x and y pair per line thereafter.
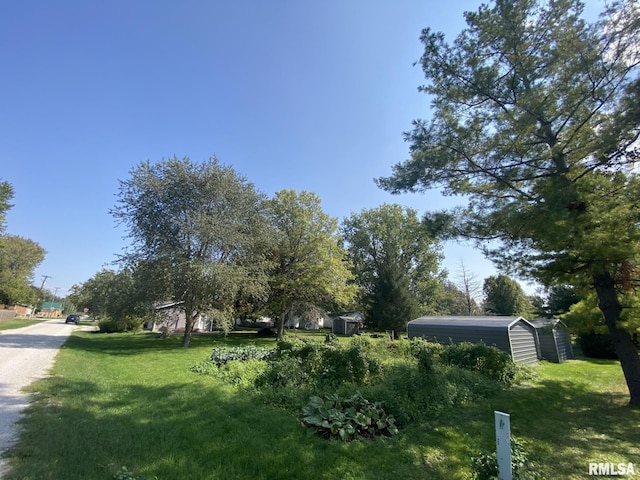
x,y
503,445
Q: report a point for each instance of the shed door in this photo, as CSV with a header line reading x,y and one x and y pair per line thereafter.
x,y
523,343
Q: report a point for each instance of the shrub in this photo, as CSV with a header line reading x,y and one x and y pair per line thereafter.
x,y
331,339
126,324
284,372
347,419
597,345
482,358
241,373
206,367
327,363
354,363
414,395
222,355
485,465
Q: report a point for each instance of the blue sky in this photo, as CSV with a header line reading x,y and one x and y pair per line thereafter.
x,y
299,94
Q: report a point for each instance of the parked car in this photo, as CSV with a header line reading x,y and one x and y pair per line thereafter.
x,y
72,319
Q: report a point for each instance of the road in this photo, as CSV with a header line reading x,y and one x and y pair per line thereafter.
x,y
26,355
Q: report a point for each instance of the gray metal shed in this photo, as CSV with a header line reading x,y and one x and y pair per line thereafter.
x,y
347,325
554,342
513,335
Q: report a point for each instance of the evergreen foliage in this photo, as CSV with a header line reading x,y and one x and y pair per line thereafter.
x,y
396,265
504,296
535,121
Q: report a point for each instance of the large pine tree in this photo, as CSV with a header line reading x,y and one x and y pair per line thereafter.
x,y
535,120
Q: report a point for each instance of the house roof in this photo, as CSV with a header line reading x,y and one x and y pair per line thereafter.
x,y
486,322
165,305
52,305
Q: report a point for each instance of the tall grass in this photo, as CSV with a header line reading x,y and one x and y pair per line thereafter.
x,y
131,401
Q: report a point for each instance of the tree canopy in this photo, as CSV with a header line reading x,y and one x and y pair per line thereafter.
x,y
396,263
504,296
18,258
310,267
6,194
197,230
535,120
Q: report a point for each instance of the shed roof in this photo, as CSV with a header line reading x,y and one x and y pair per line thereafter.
x,y
545,322
486,322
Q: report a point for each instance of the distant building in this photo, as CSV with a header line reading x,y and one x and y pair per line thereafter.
x,y
51,310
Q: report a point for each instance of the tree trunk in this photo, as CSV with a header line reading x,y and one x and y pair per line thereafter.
x,y
622,340
189,319
280,327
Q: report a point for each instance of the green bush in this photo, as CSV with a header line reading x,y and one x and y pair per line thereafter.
x,y
347,418
241,373
488,360
414,395
420,380
484,466
597,345
126,324
222,355
284,373
331,339
327,363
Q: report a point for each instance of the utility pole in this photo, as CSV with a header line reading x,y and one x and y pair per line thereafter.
x,y
44,280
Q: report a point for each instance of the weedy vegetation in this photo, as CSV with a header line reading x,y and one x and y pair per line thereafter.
x,y
313,406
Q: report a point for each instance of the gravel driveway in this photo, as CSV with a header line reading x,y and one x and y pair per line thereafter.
x,y
26,355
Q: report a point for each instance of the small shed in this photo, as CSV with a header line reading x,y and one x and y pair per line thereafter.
x,y
554,342
346,325
513,335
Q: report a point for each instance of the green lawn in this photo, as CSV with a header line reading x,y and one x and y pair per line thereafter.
x,y
18,323
131,401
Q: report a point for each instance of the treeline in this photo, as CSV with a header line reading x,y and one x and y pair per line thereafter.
x,y
203,235
19,257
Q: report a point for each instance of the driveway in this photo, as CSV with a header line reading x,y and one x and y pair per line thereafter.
x,y
26,355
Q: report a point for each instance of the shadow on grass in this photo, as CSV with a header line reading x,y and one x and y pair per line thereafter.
x,y
566,424
190,426
90,422
177,431
145,342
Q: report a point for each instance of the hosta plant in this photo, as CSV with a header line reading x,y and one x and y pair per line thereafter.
x,y
347,418
222,355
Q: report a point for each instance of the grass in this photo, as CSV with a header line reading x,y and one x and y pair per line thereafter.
x,y
18,323
131,401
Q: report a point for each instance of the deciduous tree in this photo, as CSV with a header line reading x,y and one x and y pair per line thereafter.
x,y
396,263
469,284
310,268
122,297
197,229
6,194
18,259
536,120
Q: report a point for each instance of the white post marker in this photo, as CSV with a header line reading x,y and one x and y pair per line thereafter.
x,y
503,445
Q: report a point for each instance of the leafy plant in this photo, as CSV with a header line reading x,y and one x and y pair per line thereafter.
x,y
222,355
347,419
322,363
482,358
485,465
331,339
